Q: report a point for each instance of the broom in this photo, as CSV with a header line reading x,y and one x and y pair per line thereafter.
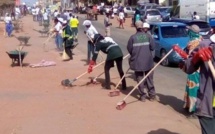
x,y
122,103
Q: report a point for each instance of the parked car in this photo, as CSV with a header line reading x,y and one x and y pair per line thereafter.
x,y
148,6
151,15
165,12
129,11
165,35
205,29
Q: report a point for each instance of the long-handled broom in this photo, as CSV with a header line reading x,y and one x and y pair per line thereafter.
x,y
68,82
122,103
116,92
211,67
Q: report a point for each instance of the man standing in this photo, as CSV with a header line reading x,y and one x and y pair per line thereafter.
x,y
195,16
74,26
90,32
140,47
67,39
34,13
58,30
107,25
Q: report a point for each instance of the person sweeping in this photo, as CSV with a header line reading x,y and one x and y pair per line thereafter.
x,y
67,39
114,53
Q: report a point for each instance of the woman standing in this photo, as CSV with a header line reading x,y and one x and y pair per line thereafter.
x,y
192,85
8,24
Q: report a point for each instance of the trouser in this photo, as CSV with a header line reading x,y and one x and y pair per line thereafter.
x,y
108,65
207,124
75,32
34,17
69,51
147,82
90,50
107,31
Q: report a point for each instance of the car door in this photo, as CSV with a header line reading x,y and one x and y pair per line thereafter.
x,y
156,36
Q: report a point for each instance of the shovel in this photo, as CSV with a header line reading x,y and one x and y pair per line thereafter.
x,y
116,92
122,103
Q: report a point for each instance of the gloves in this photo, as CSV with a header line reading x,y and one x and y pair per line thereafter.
x,y
90,68
203,54
178,50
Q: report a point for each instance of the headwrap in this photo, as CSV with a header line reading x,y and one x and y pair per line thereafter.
x,y
193,35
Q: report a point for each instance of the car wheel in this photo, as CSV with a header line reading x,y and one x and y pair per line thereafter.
x,y
165,62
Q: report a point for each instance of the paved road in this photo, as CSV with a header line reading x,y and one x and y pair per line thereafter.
x,y
169,81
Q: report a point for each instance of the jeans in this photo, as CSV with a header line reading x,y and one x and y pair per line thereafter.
x,y
59,41
90,50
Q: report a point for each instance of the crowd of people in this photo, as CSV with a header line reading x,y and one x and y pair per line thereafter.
x,y
199,91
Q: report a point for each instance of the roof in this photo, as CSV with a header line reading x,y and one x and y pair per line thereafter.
x,y
167,23
186,20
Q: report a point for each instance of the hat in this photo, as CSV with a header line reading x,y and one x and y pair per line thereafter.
x,y
139,24
146,25
87,22
194,28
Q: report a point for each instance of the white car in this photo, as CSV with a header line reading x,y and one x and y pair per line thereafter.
x,y
129,11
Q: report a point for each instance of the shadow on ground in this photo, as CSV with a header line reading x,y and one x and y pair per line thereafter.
x,y
161,131
173,102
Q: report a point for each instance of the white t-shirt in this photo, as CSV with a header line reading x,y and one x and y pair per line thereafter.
x,y
7,19
55,14
91,31
37,10
196,17
45,16
58,27
121,15
17,10
33,11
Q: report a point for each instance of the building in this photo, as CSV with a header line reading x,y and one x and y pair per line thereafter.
x,y
161,2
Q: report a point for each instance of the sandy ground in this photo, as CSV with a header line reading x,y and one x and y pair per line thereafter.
x,y
33,102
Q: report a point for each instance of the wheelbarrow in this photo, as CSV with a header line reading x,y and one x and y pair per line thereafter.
x,y
14,55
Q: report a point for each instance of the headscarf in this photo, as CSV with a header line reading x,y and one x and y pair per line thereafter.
x,y
195,39
193,35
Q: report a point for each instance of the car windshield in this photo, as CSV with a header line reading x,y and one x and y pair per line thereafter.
x,y
201,24
142,7
153,13
173,31
166,10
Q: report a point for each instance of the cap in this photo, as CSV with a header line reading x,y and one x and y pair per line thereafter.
x,y
194,28
87,22
139,24
146,25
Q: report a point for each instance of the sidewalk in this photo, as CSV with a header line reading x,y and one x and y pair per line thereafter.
x,y
33,102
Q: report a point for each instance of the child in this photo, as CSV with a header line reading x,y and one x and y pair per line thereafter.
x,y
9,28
107,25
